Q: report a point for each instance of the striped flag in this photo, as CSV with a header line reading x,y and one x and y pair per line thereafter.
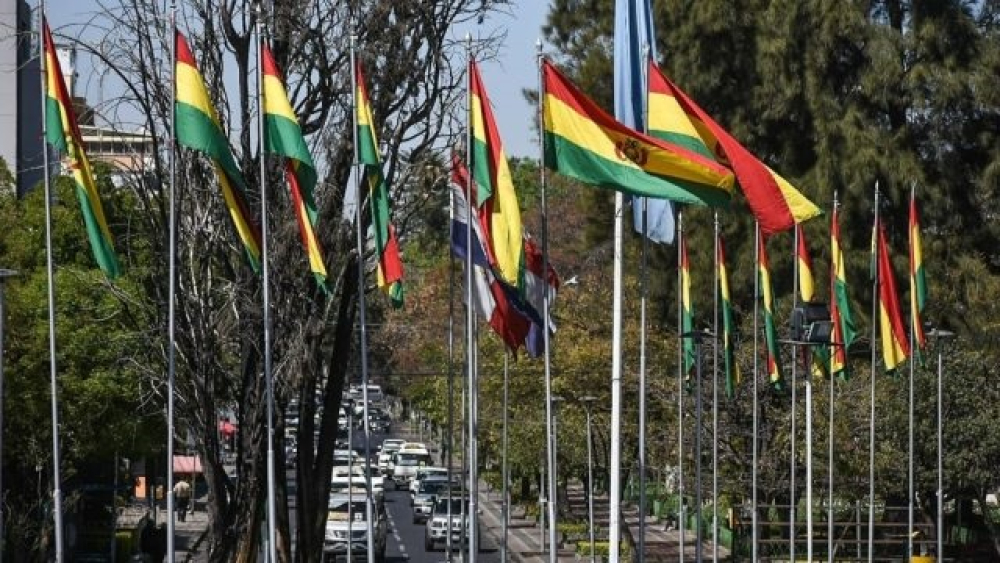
x,y
895,346
285,139
584,142
733,376
197,127
840,306
390,267
770,332
820,356
499,212
687,312
918,281
776,204
63,133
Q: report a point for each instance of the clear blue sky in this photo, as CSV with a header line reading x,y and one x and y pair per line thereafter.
x,y
513,70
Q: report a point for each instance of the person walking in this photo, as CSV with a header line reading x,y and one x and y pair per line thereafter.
x,y
182,492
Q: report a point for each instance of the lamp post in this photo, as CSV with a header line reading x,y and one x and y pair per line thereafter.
x,y
4,274
698,337
938,335
554,478
588,403
349,411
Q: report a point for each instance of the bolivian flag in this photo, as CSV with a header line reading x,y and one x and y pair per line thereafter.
x,y
499,212
390,267
733,376
196,125
918,281
63,133
284,138
807,290
689,349
767,297
775,203
584,142
895,346
840,306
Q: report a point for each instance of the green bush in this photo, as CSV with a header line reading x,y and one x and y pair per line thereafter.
x,y
601,549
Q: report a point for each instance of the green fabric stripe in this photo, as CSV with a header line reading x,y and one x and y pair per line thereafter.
x,y
367,151
690,354
379,194
481,170
396,294
727,342
284,137
693,144
104,252
847,326
196,130
54,133
577,162
921,287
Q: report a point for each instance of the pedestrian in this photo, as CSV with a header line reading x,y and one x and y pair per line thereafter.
x,y
182,494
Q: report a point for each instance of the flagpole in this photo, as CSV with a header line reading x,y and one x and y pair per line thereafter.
x,y
362,320
909,414
795,381
800,239
172,285
272,549
451,361
551,439
504,471
715,399
830,450
680,384
53,377
469,322
756,406
871,416
642,327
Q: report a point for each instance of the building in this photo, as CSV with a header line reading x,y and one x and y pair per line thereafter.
x,y
20,95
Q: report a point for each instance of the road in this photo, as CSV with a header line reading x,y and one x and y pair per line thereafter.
x,y
405,541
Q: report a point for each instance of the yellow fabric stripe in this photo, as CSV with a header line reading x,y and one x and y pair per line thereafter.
x,y
364,111
765,284
665,114
244,229
312,245
807,287
276,99
798,205
191,90
892,351
478,125
564,121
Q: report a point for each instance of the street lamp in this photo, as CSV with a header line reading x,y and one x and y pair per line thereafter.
x,y
4,274
938,335
698,337
588,403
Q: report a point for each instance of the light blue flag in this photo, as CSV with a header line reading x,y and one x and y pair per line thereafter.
x,y
633,32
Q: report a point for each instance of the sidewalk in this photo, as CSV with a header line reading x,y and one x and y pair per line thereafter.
x,y
189,535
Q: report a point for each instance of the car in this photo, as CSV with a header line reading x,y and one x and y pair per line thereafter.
x,y
357,473
347,528
423,472
405,464
427,494
437,525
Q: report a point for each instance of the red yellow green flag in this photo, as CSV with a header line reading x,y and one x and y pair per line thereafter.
x,y
844,330
390,267
770,331
499,211
63,133
733,375
687,312
807,290
584,142
284,138
197,127
776,204
895,346
918,281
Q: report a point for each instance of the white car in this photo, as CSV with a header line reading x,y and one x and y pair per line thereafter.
x,y
347,531
421,474
389,447
406,463
436,528
357,478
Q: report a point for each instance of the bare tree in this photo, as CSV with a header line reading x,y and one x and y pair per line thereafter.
x,y
416,78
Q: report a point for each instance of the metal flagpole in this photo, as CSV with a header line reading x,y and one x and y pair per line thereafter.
x,y
4,275
550,434
504,471
939,335
871,416
265,289
909,413
794,383
715,398
642,328
680,386
807,361
54,381
469,322
830,450
756,406
451,361
699,520
172,285
362,321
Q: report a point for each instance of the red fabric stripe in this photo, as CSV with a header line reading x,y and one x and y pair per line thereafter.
x,y
183,51
389,262
359,76
758,184
888,293
269,66
61,95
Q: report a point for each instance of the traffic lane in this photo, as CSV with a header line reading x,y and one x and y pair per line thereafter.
x,y
410,536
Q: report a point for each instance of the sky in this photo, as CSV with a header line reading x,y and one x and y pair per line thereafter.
x,y
513,70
